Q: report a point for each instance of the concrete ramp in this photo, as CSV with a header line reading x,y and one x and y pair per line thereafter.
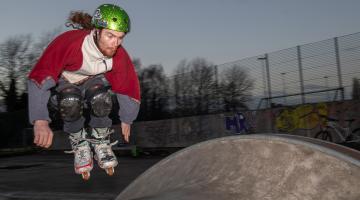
x,y
272,167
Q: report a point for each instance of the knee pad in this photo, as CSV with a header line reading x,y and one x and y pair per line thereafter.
x,y
70,104
99,100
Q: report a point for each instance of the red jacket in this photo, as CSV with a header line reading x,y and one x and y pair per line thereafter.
x,y
64,53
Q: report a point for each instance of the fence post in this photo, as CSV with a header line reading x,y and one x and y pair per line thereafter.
x,y
266,75
217,88
302,90
269,90
339,67
268,78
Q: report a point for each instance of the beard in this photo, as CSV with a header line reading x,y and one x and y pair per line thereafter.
x,y
108,52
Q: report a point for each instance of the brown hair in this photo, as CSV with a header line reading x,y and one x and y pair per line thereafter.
x,y
79,20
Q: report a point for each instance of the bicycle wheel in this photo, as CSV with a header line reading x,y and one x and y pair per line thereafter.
x,y
324,135
355,134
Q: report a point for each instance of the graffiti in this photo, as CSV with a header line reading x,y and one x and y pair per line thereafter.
x,y
238,123
343,125
311,120
251,117
301,117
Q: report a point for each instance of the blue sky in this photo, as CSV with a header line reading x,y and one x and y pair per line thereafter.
x,y
167,31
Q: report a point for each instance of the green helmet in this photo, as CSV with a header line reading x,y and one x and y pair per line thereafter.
x,y
111,17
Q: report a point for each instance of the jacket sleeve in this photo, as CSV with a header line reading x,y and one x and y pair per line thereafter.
x,y
38,100
129,108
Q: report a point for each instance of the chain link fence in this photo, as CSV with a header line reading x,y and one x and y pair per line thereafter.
x,y
316,72
323,71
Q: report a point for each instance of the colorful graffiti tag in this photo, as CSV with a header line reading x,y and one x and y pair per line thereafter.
x,y
239,123
301,117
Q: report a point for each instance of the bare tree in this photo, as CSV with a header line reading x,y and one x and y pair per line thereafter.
x,y
235,87
154,93
182,90
194,87
203,84
16,59
18,55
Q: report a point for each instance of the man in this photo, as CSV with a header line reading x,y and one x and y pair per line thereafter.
x,y
81,65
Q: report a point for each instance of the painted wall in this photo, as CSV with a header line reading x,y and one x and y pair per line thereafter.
x,y
304,120
180,132
308,119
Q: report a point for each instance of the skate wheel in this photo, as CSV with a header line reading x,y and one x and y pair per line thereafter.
x,y
85,176
110,171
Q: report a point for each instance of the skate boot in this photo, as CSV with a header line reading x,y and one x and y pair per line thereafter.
x,y
102,148
83,162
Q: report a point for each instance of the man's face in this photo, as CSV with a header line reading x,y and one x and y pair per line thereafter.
x,y
109,41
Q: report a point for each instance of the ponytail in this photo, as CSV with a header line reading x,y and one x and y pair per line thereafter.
x,y
79,20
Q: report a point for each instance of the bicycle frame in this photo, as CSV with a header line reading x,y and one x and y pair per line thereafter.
x,y
342,132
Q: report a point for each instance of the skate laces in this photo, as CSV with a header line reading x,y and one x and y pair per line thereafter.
x,y
103,136
78,142
102,143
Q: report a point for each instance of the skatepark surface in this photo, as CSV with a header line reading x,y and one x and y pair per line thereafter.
x,y
280,167
50,175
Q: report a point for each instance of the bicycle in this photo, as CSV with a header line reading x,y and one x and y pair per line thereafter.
x,y
344,133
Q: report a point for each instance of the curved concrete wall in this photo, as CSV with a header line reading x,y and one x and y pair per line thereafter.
x,y
253,167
